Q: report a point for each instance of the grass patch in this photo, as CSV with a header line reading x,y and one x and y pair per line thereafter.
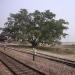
x,y
65,50
58,50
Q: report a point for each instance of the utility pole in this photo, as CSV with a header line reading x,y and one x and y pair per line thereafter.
x,y
34,43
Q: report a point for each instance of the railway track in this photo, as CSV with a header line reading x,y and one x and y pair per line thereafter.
x,y
60,60
16,67
53,58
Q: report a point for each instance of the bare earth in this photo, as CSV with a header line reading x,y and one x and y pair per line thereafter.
x,y
4,70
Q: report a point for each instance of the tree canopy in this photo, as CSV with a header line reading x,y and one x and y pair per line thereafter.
x,y
43,25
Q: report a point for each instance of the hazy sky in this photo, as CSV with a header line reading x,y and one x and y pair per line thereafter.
x,y
62,8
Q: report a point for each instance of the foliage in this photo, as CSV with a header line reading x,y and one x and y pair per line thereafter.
x,y
43,25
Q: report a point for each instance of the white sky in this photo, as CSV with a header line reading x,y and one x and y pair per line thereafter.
x,y
62,8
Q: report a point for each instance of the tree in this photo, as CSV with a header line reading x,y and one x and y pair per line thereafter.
x,y
42,25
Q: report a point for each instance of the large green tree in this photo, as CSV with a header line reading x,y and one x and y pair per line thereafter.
x,y
42,25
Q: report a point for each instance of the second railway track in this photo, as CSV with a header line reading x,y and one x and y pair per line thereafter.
x,y
16,67
53,58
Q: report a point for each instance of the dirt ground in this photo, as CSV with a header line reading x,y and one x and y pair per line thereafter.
x,y
4,70
47,66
